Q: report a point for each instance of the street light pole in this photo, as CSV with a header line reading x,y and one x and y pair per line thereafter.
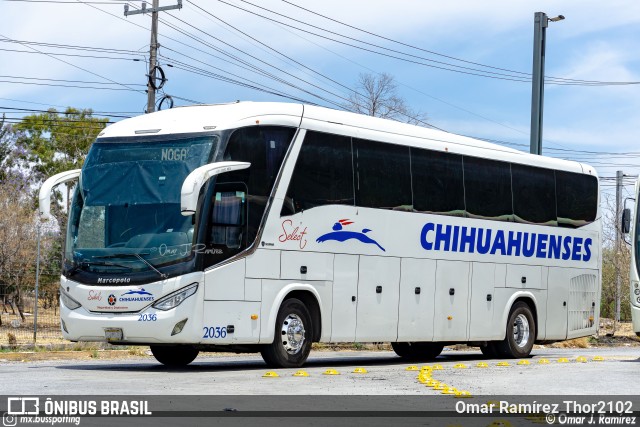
x,y
35,311
541,23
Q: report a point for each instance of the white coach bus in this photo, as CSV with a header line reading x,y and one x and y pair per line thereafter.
x,y
634,274
264,227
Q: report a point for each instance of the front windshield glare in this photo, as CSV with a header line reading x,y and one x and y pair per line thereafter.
x,y
125,215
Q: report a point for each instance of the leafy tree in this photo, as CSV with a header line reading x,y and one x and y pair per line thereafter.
x,y
377,95
7,150
56,142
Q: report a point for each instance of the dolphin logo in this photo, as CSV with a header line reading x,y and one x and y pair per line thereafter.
x,y
137,292
340,235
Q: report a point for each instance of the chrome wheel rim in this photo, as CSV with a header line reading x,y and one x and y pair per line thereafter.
x,y
521,330
292,334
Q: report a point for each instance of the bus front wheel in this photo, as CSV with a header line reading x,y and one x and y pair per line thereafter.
x,y
293,335
521,332
174,355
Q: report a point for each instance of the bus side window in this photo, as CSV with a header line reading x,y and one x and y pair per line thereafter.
x,y
323,174
534,195
228,219
382,175
265,148
487,185
437,182
577,196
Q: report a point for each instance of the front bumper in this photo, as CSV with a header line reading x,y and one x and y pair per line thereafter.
x,y
147,326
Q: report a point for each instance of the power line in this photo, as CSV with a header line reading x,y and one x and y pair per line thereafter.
x,y
74,47
63,106
64,120
444,55
62,125
77,55
271,65
514,78
110,114
255,86
69,2
69,86
401,83
442,65
300,64
78,67
65,81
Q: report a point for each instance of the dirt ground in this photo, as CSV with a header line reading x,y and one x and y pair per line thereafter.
x,y
61,350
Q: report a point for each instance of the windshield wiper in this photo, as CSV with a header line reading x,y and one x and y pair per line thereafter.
x,y
81,264
137,255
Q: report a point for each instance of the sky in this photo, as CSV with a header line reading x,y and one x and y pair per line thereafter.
x,y
290,52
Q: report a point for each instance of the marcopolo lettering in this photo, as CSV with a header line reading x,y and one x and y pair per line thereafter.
x,y
112,280
455,238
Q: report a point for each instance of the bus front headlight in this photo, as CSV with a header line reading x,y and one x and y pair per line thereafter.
x,y
176,298
68,302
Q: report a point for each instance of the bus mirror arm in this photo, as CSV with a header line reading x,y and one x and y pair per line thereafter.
x,y
44,196
626,220
196,179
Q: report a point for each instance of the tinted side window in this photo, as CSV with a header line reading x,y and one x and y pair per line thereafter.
x,y
437,182
323,174
264,147
487,187
383,175
577,199
534,195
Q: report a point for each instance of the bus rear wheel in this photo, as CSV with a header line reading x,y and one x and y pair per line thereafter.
x,y
417,350
174,355
292,342
521,333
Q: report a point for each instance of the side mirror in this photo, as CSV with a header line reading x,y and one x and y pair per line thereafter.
x,y
44,197
196,179
626,220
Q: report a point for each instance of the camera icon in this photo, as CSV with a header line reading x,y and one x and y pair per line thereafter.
x,y
9,420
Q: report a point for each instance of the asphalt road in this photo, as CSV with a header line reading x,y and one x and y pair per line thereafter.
x,y
617,374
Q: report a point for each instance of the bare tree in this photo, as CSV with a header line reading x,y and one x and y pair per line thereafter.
x,y
613,260
377,95
17,243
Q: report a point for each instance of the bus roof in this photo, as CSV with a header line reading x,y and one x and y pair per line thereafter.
x,y
203,118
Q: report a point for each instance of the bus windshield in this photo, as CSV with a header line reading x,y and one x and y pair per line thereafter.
x,y
125,216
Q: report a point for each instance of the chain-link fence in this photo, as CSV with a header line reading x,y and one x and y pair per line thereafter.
x,y
18,324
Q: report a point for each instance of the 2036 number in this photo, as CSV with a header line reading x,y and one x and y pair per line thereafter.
x,y
146,317
214,332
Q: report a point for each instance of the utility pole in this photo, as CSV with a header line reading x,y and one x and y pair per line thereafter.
x,y
153,46
541,23
618,223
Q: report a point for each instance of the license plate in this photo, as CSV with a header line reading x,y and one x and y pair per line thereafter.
x,y
113,334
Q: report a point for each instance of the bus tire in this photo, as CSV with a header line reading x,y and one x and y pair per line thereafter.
x,y
417,350
174,355
520,334
292,342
